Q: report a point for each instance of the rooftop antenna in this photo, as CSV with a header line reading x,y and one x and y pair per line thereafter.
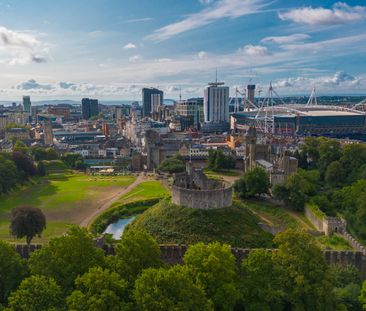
x,y
180,94
216,75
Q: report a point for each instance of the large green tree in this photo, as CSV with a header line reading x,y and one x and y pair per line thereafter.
x,y
12,270
254,182
172,165
98,290
67,257
214,269
169,289
136,251
304,274
37,293
259,283
27,221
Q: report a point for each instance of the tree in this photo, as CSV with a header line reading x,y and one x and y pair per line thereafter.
x,y
260,286
24,164
303,272
255,182
169,289
172,165
218,160
12,270
362,297
214,269
335,174
98,290
41,169
8,173
37,293
73,160
67,257
136,251
298,188
27,221
21,147
347,286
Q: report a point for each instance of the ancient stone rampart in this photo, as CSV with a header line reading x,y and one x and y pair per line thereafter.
x,y
202,198
173,254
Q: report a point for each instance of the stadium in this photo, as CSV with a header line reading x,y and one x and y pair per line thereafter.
x,y
302,119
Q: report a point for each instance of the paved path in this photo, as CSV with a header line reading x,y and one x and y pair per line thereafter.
x,y
109,201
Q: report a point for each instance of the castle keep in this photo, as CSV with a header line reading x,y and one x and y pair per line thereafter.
x,y
194,189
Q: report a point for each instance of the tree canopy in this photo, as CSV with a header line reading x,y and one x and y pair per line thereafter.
x,y
169,289
254,182
67,257
12,270
37,293
98,290
214,269
27,221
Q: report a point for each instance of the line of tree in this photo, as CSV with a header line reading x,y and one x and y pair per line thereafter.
x,y
70,273
217,160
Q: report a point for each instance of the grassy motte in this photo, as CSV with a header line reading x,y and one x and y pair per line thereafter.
x,y
173,224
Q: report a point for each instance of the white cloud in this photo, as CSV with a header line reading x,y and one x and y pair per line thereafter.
x,y
337,83
340,13
217,10
129,46
134,59
286,39
137,20
33,85
202,54
254,50
21,48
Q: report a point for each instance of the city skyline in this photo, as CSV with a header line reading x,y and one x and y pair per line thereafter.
x,y
112,49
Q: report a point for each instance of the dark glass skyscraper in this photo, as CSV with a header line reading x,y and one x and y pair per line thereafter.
x,y
89,108
148,98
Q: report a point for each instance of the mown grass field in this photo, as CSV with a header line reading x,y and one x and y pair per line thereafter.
x,y
146,190
65,198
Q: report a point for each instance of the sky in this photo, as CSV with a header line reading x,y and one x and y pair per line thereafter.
x,y
110,49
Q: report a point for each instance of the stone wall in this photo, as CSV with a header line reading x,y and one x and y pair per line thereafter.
x,y
173,254
202,199
315,220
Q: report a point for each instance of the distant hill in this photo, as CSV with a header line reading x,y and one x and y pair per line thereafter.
x,y
173,224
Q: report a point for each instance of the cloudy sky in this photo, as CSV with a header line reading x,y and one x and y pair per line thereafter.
x,y
109,49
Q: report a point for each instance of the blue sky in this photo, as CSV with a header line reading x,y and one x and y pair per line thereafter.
x,y
111,48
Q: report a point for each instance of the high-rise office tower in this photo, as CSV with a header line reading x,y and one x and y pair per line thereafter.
x,y
89,108
216,103
27,105
150,97
251,92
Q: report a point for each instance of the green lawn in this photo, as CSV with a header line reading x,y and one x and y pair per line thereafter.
x,y
65,198
336,242
274,215
145,190
233,173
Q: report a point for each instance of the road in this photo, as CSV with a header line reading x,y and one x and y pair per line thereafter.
x,y
109,201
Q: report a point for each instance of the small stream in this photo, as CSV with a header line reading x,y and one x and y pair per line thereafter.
x,y
117,228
